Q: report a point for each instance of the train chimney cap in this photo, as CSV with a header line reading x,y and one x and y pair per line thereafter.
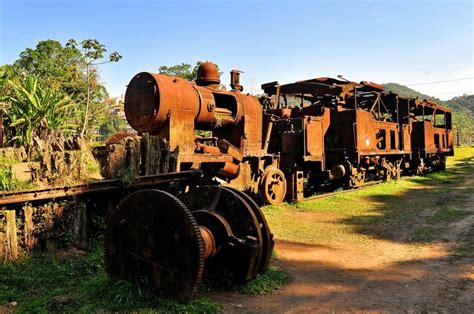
x,y
207,74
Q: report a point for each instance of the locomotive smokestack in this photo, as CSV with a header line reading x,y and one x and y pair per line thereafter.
x,y
235,80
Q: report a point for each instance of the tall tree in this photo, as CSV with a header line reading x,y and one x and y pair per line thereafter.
x,y
93,52
71,70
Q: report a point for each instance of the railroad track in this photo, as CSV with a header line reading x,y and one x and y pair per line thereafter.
x,y
325,195
368,184
97,187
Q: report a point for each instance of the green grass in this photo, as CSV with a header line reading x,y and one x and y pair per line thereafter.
x,y
52,283
448,215
466,249
267,282
410,209
424,234
49,283
272,279
8,182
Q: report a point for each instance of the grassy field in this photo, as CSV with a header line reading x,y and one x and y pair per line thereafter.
x,y
54,282
380,211
411,210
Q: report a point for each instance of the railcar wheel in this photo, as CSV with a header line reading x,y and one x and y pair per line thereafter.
x,y
239,244
273,187
152,235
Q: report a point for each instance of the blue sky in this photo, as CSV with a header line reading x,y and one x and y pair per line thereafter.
x,y
383,41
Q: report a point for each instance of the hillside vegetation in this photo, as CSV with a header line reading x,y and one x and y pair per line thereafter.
x,y
463,107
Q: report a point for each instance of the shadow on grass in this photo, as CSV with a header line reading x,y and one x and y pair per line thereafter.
x,y
419,213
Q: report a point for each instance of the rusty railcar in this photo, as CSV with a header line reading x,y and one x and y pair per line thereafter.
x,y
333,129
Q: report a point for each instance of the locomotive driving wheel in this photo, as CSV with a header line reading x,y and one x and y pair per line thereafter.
x,y
153,236
273,187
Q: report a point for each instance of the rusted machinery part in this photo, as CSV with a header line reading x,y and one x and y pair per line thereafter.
x,y
273,187
356,179
267,235
391,172
234,226
152,235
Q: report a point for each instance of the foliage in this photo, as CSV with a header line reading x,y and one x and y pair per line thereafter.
x,y
53,283
112,124
463,107
93,51
183,70
35,108
69,70
58,66
5,178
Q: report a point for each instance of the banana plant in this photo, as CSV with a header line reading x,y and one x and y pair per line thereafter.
x,y
33,107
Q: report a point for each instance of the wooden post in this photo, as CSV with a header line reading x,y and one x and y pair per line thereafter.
x,y
30,240
8,236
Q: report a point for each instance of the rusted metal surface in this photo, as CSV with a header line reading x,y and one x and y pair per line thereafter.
x,y
242,240
327,125
174,109
98,187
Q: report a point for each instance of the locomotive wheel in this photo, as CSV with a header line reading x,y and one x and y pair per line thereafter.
x,y
273,187
267,236
152,235
239,245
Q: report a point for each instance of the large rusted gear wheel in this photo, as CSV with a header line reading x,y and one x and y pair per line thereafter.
x,y
240,247
152,235
273,188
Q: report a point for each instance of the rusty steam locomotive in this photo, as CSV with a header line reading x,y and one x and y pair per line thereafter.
x,y
296,135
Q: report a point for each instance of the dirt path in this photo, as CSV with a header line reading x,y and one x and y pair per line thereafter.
x,y
380,276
